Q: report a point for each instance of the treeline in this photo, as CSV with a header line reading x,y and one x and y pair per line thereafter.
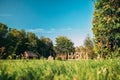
x,y
14,42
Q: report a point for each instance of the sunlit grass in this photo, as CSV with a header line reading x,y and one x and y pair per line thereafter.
x,y
60,70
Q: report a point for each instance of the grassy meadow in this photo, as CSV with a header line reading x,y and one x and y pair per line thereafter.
x,y
60,70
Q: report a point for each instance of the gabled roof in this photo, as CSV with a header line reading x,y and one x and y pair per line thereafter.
x,y
30,54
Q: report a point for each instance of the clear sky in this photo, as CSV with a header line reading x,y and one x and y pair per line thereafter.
x,y
50,18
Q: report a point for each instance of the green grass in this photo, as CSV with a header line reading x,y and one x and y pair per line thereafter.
x,y
60,70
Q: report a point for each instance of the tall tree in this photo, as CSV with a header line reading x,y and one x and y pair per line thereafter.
x,y
47,47
88,44
32,42
3,40
23,42
64,45
106,27
14,40
3,33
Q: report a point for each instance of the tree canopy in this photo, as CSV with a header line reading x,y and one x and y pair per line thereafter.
x,y
64,45
88,46
106,27
15,42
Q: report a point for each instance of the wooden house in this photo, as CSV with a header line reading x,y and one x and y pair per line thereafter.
x,y
30,55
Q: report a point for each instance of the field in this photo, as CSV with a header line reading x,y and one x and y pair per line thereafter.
x,y
60,70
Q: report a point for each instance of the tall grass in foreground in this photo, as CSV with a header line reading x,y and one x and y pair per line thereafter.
x,y
60,70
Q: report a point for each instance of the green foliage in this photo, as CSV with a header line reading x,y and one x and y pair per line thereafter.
x,y
60,70
47,47
59,58
14,38
3,33
31,42
3,30
64,45
88,42
88,45
14,42
106,27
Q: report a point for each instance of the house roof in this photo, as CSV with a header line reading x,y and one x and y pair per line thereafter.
x,y
30,54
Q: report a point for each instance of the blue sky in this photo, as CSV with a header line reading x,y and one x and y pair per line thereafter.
x,y
50,18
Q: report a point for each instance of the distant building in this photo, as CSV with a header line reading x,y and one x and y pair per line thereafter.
x,y
30,55
61,56
70,56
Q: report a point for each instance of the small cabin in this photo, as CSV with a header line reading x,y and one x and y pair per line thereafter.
x,y
30,55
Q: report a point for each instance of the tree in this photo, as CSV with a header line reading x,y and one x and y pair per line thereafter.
x,y
3,40
88,44
3,32
47,47
14,40
31,42
23,42
64,45
106,27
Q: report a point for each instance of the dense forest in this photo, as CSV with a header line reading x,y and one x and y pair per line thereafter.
x,y
13,43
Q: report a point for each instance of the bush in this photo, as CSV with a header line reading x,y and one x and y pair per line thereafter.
x,y
59,58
